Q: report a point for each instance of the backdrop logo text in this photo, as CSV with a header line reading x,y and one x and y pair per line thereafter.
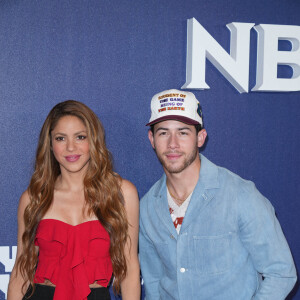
x,y
7,259
235,66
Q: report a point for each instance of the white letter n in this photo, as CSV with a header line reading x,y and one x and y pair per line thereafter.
x,y
201,45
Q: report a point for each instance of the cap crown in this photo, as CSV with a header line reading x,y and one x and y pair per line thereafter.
x,y
176,105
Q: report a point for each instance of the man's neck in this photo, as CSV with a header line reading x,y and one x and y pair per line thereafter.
x,y
181,185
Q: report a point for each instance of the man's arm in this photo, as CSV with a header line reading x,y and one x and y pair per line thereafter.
x,y
261,234
151,266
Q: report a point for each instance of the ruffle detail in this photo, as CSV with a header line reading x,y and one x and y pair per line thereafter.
x,y
100,270
51,240
48,270
51,230
72,257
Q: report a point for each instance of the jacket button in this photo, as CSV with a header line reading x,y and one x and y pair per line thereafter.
x,y
182,270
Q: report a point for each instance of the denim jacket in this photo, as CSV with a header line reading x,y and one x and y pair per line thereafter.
x,y
230,246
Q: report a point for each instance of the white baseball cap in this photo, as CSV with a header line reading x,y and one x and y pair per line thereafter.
x,y
175,105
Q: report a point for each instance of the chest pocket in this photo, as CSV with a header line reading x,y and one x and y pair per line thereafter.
x,y
213,254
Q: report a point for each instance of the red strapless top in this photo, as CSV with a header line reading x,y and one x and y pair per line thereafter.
x,y
72,257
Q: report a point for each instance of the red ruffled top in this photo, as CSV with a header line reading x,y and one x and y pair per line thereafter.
x,y
72,257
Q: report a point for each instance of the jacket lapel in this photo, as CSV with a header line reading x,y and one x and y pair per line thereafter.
x,y
162,207
203,193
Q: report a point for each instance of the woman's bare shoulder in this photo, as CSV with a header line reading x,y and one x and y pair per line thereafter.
x,y
24,201
128,188
129,191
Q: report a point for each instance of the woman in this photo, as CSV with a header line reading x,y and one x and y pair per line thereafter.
x,y
78,220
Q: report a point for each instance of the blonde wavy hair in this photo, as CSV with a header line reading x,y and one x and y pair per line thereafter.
x,y
102,190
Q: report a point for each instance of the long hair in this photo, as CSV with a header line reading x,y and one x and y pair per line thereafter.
x,y
102,190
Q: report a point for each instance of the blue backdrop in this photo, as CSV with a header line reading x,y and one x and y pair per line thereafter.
x,y
114,56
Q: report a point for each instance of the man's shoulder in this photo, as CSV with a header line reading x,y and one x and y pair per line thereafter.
x,y
236,185
233,189
234,177
223,176
243,190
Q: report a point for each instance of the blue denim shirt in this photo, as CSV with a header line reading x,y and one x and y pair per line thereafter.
x,y
229,241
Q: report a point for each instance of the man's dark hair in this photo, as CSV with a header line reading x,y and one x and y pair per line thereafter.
x,y
198,128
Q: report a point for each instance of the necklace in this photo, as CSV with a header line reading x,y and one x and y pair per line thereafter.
x,y
178,200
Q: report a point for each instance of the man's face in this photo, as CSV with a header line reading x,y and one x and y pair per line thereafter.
x,y
176,144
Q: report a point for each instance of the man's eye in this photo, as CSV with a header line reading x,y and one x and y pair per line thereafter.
x,y
162,133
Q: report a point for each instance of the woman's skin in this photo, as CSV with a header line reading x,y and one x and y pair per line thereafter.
x,y
70,147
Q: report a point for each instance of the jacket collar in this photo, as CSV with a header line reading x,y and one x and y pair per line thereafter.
x,y
204,191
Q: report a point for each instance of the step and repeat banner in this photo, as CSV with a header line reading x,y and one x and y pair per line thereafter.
x,y
241,59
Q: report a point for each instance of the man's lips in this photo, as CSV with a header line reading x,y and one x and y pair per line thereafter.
x,y
72,158
173,155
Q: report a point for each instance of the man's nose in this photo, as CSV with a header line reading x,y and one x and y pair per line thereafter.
x,y
173,141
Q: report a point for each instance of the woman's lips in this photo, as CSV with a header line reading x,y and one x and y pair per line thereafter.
x,y
72,158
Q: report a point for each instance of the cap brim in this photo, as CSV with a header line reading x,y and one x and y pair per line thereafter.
x,y
176,118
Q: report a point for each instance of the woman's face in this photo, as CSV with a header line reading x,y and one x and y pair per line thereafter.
x,y
70,144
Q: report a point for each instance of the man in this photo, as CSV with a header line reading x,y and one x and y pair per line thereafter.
x,y
205,233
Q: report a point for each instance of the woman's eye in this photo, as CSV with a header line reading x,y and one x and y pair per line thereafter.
x,y
81,137
59,138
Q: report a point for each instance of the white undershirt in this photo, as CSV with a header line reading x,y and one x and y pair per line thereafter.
x,y
177,211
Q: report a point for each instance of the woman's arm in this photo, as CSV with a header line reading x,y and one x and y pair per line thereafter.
x,y
130,286
16,281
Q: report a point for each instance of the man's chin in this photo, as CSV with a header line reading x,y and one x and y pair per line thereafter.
x,y
173,169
